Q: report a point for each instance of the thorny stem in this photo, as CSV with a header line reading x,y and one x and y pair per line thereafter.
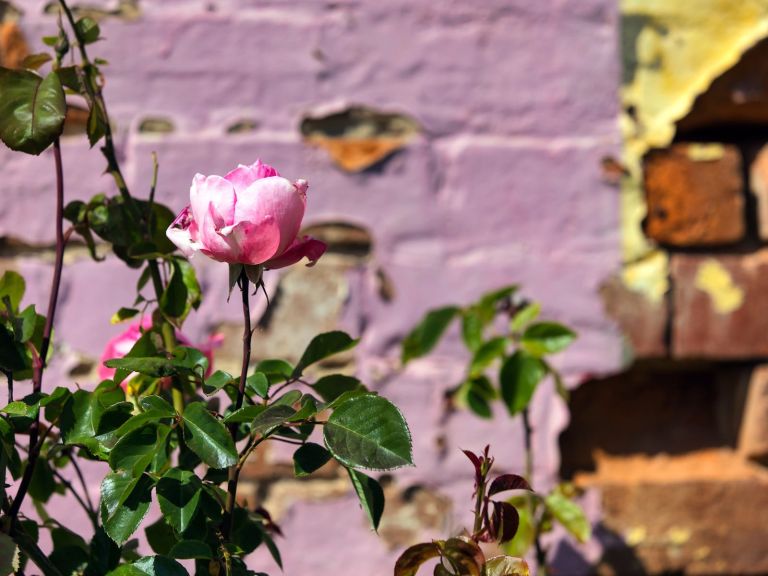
x,y
234,471
39,363
541,553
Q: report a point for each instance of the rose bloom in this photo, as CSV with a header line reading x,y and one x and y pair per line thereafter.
x,y
251,216
121,344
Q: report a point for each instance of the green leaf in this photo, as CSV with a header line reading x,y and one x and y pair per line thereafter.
x,y
11,359
472,327
123,314
136,450
244,414
258,384
151,566
158,404
547,338
276,370
477,395
173,302
32,110
207,437
217,381
187,549
370,494
160,537
309,458
43,484
569,515
525,316
155,367
274,416
160,566
35,61
9,555
178,493
124,503
519,377
322,346
486,354
332,386
368,432
12,286
426,335
87,30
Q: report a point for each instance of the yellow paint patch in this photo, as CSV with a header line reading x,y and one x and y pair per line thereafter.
x,y
705,152
716,281
678,536
677,49
648,276
636,535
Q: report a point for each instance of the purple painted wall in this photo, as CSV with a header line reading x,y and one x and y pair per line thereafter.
x,y
518,103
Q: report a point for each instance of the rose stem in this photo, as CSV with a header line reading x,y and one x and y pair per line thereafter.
x,y
234,471
541,554
40,362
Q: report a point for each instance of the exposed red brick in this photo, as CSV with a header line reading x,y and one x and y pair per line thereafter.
x,y
753,439
703,513
643,322
692,201
13,47
758,182
719,306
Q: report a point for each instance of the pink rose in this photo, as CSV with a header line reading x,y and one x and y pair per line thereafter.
x,y
250,216
121,344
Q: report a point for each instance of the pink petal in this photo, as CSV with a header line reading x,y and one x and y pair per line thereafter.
x,y
213,243
253,242
183,233
276,197
306,246
243,176
212,192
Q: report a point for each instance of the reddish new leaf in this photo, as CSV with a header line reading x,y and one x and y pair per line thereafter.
x,y
508,482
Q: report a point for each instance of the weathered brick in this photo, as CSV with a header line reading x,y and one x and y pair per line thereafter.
x,y
642,320
718,305
758,182
753,439
695,195
701,514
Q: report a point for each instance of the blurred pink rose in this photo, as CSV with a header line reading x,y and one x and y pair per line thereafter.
x,y
121,344
250,216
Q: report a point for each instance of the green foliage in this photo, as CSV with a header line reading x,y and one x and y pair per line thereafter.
x,y
427,334
32,110
520,352
368,432
162,428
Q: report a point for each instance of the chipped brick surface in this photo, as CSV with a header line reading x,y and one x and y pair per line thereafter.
x,y
695,198
719,303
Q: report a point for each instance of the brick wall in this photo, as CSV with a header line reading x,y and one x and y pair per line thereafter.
x,y
451,147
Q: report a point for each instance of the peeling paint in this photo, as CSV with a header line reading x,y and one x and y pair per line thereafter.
x,y
648,276
705,152
672,52
678,536
636,535
713,278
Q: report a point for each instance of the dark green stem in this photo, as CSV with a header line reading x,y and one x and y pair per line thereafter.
x,y
39,362
541,553
234,471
